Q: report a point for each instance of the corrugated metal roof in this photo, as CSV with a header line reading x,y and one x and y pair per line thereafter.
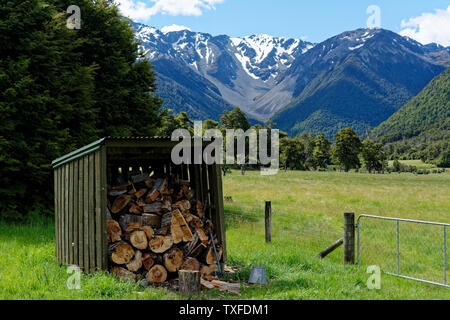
x,y
96,145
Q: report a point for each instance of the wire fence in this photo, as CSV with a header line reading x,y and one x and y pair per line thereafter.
x,y
411,249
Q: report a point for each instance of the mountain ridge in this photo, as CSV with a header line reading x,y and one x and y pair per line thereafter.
x,y
303,87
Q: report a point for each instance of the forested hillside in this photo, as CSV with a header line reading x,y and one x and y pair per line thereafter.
x,y
421,128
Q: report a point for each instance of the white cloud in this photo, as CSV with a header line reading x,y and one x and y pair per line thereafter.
x,y
173,27
429,27
140,11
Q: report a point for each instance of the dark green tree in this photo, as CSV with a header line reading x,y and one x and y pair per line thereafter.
x,y
171,122
372,155
322,151
346,149
309,141
235,119
61,89
292,153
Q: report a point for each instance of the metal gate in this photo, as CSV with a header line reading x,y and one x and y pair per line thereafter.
x,y
410,249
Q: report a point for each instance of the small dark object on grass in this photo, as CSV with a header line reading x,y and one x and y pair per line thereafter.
x,y
258,275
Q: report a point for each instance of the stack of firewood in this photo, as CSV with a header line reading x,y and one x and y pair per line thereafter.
x,y
157,227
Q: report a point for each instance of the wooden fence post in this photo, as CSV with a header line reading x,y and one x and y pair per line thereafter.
x,y
349,238
268,221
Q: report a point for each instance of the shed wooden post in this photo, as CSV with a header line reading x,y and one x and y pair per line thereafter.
x,y
268,219
349,238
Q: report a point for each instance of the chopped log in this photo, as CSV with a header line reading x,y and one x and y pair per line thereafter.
x,y
148,231
152,196
135,264
200,211
129,218
131,226
179,228
139,239
148,260
173,260
135,209
159,187
183,205
116,193
162,231
166,204
206,284
189,281
114,231
234,288
140,193
190,264
120,203
202,235
140,202
122,273
121,253
208,269
152,220
211,257
154,207
166,220
190,246
149,183
160,244
157,274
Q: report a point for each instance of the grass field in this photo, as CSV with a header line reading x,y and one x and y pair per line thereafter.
x,y
307,216
419,164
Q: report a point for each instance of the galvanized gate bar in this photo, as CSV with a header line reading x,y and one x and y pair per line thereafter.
x,y
398,220
398,247
445,255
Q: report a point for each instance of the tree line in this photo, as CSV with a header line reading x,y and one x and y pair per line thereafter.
x,y
303,152
61,89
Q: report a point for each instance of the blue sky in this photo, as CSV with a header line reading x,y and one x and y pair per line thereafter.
x,y
314,20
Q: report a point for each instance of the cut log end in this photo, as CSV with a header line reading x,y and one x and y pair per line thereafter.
x,y
160,244
157,274
173,260
114,231
190,264
139,240
122,253
120,203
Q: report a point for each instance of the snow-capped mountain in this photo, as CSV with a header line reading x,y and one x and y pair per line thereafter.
x,y
357,78
240,68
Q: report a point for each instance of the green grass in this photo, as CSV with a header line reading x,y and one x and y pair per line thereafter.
x,y
307,216
416,163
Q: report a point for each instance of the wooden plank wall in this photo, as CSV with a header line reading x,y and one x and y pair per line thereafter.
x,y
80,217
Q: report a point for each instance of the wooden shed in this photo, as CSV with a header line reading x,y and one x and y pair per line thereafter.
x,y
81,178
